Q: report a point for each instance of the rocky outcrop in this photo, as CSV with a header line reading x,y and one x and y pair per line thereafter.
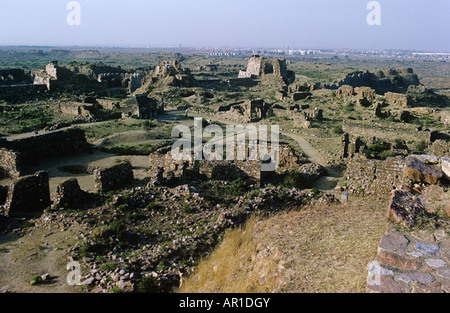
x,y
404,208
418,171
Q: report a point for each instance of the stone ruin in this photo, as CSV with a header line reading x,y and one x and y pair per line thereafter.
x,y
69,195
28,194
364,96
268,69
382,176
397,99
87,76
141,106
245,111
167,73
166,169
113,178
16,154
16,85
382,81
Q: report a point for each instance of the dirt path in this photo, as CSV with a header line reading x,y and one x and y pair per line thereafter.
x,y
36,253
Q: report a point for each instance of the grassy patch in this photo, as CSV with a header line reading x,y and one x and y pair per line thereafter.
x,y
323,250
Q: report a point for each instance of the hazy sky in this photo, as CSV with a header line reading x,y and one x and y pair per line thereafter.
x,y
405,24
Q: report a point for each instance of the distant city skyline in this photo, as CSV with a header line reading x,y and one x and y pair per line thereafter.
x,y
415,25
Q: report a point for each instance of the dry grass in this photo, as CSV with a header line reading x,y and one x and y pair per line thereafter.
x,y
318,250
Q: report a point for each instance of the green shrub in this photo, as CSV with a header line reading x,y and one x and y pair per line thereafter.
x,y
378,149
237,187
293,179
338,130
421,146
147,285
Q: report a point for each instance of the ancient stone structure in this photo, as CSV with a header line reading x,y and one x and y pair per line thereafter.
x,y
390,131
397,99
141,106
28,194
411,262
70,195
167,73
113,178
13,76
364,96
273,69
164,166
245,111
365,176
382,81
15,93
135,82
34,148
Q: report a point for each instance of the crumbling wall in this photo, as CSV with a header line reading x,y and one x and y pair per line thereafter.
x,y
274,69
28,194
31,149
397,99
9,163
407,132
113,178
376,177
21,92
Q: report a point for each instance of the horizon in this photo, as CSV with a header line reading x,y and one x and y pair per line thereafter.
x,y
415,25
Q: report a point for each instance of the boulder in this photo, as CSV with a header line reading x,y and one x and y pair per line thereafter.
x,y
404,208
420,172
446,167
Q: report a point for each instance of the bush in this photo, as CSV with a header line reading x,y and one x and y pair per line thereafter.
x,y
338,130
421,146
293,179
237,188
147,285
399,144
378,149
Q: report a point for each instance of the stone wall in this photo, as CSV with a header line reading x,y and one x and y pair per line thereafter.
x,y
77,109
397,99
113,178
163,166
20,92
264,68
376,177
28,194
411,262
31,149
9,164
390,131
